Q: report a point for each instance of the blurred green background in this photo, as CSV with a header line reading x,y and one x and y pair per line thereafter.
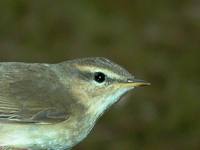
x,y
158,41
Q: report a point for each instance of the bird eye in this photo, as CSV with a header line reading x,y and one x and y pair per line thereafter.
x,y
99,77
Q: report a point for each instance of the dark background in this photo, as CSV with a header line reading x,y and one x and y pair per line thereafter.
x,y
157,40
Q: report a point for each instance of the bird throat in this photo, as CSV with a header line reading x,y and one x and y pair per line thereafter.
x,y
100,104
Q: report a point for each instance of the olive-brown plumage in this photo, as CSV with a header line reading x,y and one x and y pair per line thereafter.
x,y
54,106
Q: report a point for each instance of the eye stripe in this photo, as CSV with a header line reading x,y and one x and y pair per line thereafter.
x,y
95,69
85,75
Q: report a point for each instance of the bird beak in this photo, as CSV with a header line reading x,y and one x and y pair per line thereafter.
x,y
135,83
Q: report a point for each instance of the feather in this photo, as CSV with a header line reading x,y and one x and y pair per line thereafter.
x,y
32,93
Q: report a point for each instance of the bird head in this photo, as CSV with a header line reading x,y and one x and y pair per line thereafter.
x,y
98,83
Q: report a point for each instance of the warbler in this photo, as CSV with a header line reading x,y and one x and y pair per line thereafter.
x,y
55,106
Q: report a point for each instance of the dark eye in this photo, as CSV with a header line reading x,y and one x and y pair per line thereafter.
x,y
99,77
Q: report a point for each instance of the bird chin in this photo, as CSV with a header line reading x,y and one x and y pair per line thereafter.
x,y
114,98
123,95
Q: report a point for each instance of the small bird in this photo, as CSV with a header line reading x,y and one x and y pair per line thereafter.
x,y
55,106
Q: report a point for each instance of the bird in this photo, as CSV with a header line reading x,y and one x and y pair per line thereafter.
x,y
55,106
